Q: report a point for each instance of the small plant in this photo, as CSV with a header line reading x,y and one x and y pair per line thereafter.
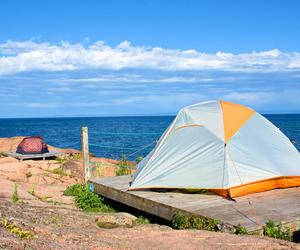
x,y
28,174
98,169
15,197
60,160
11,227
123,168
76,157
44,198
58,171
32,191
139,159
86,200
180,221
240,230
141,220
75,190
2,155
124,161
274,230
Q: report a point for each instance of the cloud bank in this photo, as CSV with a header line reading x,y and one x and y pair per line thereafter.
x,y
17,57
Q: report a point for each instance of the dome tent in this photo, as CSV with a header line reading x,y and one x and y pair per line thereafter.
x,y
32,145
223,147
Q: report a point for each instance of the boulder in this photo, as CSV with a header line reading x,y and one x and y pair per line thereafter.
x,y
226,228
14,171
8,160
74,168
113,220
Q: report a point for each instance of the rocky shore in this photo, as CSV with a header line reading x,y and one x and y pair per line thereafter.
x,y
55,222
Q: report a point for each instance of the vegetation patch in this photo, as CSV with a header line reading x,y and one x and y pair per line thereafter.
x,y
76,157
59,171
2,155
61,160
28,174
139,159
15,196
180,221
141,220
241,230
86,200
123,167
275,230
44,198
11,227
98,168
271,229
67,157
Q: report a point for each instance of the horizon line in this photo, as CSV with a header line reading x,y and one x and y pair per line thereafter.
x,y
133,115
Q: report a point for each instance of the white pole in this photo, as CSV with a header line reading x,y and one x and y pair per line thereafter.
x,y
85,154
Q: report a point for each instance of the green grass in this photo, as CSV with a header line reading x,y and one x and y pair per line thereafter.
x,y
86,200
60,160
44,198
271,229
180,221
123,167
241,230
76,157
139,159
58,171
141,220
74,190
15,196
66,158
275,230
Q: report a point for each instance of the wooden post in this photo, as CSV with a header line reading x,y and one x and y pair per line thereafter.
x,y
85,154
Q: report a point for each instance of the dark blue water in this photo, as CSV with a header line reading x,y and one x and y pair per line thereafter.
x,y
138,132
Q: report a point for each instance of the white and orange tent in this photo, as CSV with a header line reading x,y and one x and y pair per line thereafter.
x,y
223,147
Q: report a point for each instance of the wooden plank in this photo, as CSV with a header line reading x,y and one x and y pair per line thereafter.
x,y
280,205
33,156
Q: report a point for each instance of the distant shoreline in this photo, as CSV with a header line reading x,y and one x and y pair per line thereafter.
x,y
121,116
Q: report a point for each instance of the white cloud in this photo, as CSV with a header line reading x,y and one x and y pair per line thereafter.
x,y
60,89
265,98
137,79
30,56
36,105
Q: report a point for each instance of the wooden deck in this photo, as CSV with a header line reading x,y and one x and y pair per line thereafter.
x,y
280,205
22,157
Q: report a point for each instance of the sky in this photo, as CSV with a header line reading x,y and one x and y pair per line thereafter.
x,y
111,58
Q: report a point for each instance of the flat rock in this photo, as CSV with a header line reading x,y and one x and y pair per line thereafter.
x,y
8,160
113,220
74,168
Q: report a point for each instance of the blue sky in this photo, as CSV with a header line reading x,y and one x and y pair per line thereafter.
x,y
95,58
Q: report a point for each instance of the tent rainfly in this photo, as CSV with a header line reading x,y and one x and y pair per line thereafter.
x,y
222,147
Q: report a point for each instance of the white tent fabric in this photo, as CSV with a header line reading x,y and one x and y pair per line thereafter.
x,y
193,152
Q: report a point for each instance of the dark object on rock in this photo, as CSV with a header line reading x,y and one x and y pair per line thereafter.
x,y
32,145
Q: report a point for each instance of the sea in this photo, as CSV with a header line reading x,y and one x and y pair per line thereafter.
x,y
114,137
